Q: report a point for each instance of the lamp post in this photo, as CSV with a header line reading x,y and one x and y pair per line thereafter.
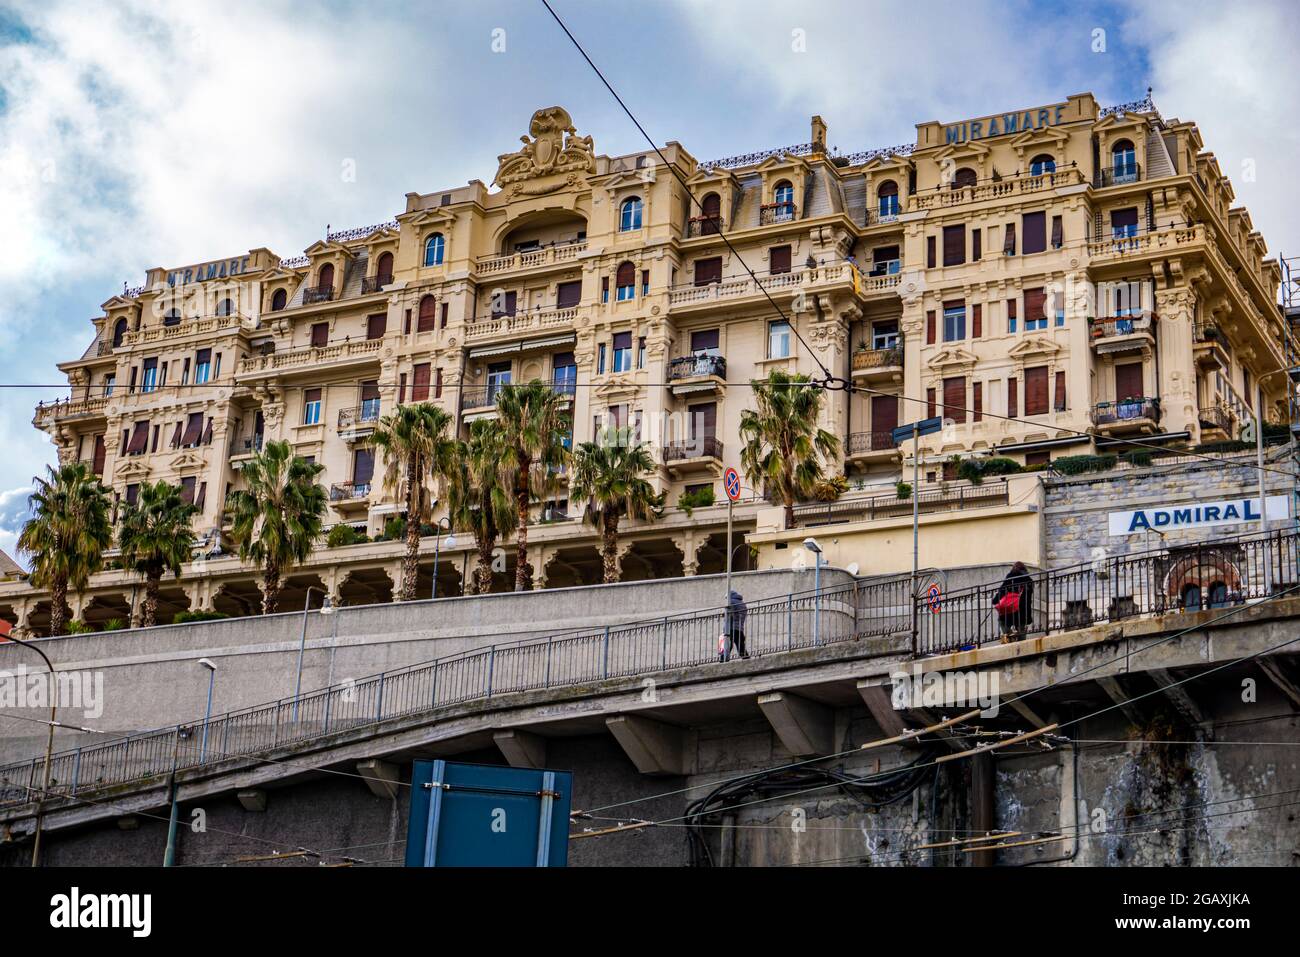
x,y
437,547
207,715
326,608
812,546
49,746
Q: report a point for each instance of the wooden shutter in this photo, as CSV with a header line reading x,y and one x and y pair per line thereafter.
x,y
778,259
977,402
426,320
370,390
320,335
954,245
976,321
97,466
1036,391
443,314
954,398
626,275
384,269
708,270
325,278
884,417
437,383
1013,406
1035,305
1124,218
363,466
1128,381
202,498
704,421
929,252
1009,240
1060,404
622,340
929,404
568,294
1035,226
420,382
193,429
1011,313
376,325
139,439
187,489
1058,232
976,244
929,327
704,340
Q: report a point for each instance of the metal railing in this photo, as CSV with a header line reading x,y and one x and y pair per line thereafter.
x,y
708,447
703,226
878,440
349,491
1112,326
1216,417
877,358
704,364
1125,410
891,506
1118,175
362,416
317,294
771,213
1179,578
371,284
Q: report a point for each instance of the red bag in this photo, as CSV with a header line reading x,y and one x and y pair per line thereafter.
x,y
1008,604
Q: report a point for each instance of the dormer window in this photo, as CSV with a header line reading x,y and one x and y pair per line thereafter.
x,y
434,248
1123,162
279,299
384,269
119,330
783,201
1043,163
887,201
963,178
171,318
225,307
630,215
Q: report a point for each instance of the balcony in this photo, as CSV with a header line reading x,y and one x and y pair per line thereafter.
x,y
350,496
69,409
881,217
359,421
1126,247
1118,334
477,397
886,267
702,454
521,323
563,252
178,330
241,450
1218,423
769,214
1136,416
688,296
1006,189
883,507
373,284
1210,346
874,446
315,294
312,358
1118,175
870,363
698,226
702,373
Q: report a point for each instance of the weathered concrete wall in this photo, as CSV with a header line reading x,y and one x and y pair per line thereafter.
x,y
1075,509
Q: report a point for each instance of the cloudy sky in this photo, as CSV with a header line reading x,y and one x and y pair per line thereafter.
x,y
144,133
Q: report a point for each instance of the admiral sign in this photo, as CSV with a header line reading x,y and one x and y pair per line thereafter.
x,y
1229,511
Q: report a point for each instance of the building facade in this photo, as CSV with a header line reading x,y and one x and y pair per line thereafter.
x,y
1052,280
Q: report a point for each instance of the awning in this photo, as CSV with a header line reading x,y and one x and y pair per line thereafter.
x,y
484,351
526,345
1042,444
1144,439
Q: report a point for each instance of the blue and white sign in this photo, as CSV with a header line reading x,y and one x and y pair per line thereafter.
x,y
1166,518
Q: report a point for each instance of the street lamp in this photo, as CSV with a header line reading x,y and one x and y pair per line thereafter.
x,y
326,608
49,746
437,547
207,715
812,546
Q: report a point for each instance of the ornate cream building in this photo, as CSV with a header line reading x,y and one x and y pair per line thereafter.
x,y
1051,280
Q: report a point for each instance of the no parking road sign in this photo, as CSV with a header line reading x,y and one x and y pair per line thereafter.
x,y
731,482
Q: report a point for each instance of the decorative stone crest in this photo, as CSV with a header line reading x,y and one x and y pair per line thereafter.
x,y
555,147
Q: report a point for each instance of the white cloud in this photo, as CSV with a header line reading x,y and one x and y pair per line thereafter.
x,y
13,513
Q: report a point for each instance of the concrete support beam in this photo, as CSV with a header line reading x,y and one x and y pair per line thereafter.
x,y
252,799
382,777
1022,708
982,821
804,727
522,749
1275,668
654,747
1115,691
1181,700
876,698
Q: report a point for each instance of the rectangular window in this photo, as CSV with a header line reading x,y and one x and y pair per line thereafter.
x,y
1059,403
154,446
420,381
1124,223
929,404
976,244
604,289
376,325
645,282
1058,307
884,335
600,359
976,321
132,493
564,373
1011,315
503,304
1035,309
320,335
622,352
778,260
977,402
625,293
1128,381
1035,227
370,401
162,376
442,314
202,366
954,245
134,373
640,353
1037,458
954,320
185,372
202,497
568,294
778,339
708,271
954,399
929,252
1036,391
193,430
188,485
929,327
1058,232
139,439
311,404
1127,299
1013,404
149,380
437,383
109,381
885,261
216,367
1009,240
363,470
704,340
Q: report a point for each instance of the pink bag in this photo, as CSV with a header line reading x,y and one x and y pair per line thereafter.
x,y
1008,604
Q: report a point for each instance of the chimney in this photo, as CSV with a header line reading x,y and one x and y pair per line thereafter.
x,y
818,135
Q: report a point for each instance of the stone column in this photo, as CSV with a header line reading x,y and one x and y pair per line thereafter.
x,y
1175,307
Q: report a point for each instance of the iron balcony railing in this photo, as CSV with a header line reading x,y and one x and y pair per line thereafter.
x,y
247,446
374,284
703,364
315,294
362,416
775,213
1137,407
349,491
878,358
1118,174
1113,326
706,447
882,215
885,267
870,508
1216,417
703,226
479,396
1195,577
879,440
1208,332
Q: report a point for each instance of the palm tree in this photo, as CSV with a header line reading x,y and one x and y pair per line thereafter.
x,y
416,443
783,445
477,499
609,476
277,519
155,537
66,535
536,426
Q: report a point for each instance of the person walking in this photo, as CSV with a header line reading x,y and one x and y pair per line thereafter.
x,y
737,612
1014,602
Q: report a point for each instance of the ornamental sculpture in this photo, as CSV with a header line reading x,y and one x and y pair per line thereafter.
x,y
555,147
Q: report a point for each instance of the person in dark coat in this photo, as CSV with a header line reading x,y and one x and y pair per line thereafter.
x,y
737,612
1018,581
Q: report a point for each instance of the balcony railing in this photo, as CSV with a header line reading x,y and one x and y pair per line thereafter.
x,y
1005,188
881,217
1111,327
520,322
771,213
1208,332
886,267
561,252
704,447
877,358
690,367
480,396
877,440
348,350
374,284
362,416
1217,417
1146,241
1126,410
703,226
69,408
732,287
1118,175
315,294
349,491
870,508
247,445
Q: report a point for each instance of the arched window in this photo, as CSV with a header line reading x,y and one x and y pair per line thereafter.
x,y
171,318
630,215
964,177
1192,596
225,307
625,282
783,200
325,278
279,299
1042,163
887,197
384,269
711,206
433,250
1218,595
119,331
1123,162
428,319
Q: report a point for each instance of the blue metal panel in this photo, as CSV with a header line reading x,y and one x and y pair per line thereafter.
x,y
477,815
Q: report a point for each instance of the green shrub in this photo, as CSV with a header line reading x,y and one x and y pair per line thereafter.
x,y
903,490
699,498
976,470
830,489
394,529
1138,457
1229,445
115,624
341,536
77,627
183,617
1079,464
